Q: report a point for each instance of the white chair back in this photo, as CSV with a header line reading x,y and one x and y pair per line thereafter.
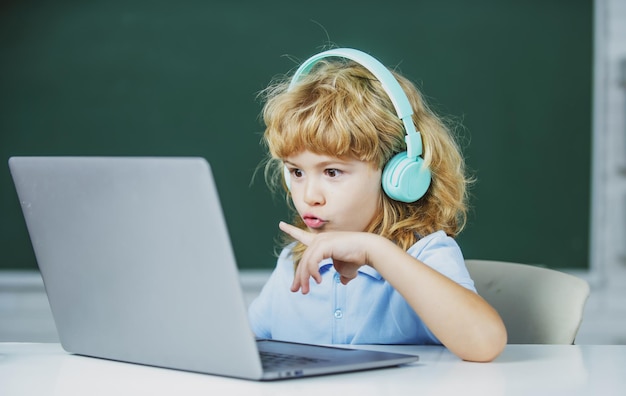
x,y
538,305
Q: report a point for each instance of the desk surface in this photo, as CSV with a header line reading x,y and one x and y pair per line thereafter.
x,y
45,369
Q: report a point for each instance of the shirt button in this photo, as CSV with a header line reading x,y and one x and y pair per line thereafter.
x,y
338,314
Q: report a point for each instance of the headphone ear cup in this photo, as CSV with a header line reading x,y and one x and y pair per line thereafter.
x,y
287,177
405,179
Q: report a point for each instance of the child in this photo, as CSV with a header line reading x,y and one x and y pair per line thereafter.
x,y
376,241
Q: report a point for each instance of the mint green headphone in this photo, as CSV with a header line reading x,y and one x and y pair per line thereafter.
x,y
405,178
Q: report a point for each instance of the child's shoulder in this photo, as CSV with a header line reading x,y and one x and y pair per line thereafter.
x,y
443,254
436,237
436,243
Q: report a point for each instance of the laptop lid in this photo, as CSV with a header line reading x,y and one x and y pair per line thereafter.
x,y
138,266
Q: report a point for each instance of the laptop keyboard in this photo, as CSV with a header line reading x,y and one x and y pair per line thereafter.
x,y
272,360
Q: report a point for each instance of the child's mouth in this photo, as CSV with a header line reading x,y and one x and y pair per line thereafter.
x,y
313,222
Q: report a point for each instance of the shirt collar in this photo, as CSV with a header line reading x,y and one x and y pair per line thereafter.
x,y
327,265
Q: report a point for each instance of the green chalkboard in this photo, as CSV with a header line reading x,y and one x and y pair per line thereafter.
x,y
107,77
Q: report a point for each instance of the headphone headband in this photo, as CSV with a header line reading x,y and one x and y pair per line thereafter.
x,y
390,85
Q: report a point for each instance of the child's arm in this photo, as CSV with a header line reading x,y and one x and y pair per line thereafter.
x,y
462,320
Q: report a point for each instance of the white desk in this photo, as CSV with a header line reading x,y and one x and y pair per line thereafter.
x,y
45,369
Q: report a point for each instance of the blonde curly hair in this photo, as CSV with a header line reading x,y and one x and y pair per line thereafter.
x,y
340,109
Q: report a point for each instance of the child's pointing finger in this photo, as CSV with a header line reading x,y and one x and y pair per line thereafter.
x,y
301,235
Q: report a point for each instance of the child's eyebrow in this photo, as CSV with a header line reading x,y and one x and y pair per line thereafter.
x,y
331,163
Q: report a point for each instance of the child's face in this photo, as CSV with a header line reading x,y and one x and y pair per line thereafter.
x,y
334,194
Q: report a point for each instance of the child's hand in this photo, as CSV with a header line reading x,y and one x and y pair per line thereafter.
x,y
347,249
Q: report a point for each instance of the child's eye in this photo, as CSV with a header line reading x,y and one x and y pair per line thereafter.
x,y
296,172
332,172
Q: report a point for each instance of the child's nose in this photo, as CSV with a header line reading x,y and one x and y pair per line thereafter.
x,y
313,194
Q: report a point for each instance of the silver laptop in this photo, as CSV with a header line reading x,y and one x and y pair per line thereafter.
x,y
138,267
